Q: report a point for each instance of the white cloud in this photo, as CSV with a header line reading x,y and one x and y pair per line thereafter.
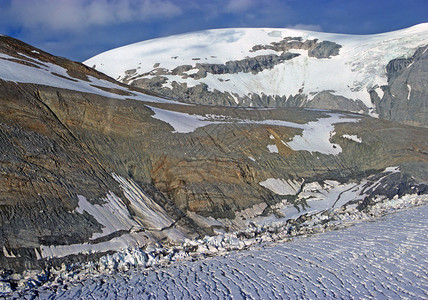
x,y
74,15
310,27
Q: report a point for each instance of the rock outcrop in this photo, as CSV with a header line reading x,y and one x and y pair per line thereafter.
x,y
405,98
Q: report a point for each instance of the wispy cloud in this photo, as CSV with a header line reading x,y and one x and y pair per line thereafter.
x,y
74,15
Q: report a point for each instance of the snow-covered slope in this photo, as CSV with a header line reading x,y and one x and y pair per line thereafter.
x,y
22,64
280,67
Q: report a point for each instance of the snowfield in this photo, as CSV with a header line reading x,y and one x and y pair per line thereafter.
x,y
362,60
372,260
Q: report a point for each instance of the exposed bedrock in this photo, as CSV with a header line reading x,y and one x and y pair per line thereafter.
x,y
405,97
248,65
252,65
58,144
324,49
327,100
203,95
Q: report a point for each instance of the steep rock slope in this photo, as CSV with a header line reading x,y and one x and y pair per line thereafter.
x,y
89,165
405,99
278,67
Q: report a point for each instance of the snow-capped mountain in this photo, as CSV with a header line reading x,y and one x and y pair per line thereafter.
x,y
90,166
281,67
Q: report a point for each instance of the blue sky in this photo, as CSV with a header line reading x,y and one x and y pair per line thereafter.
x,y
80,29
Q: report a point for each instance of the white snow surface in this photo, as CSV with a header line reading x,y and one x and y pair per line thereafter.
x,y
181,122
392,170
353,137
281,186
316,135
113,215
318,198
361,60
133,240
409,88
272,148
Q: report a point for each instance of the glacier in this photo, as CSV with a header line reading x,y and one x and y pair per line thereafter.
x,y
382,259
358,68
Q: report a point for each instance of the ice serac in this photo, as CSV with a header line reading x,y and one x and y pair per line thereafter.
x,y
282,67
89,166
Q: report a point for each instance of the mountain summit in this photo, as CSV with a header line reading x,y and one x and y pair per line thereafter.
x,y
378,74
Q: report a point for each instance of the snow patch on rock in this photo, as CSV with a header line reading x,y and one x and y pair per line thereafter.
x,y
316,135
282,186
409,88
146,211
113,214
272,148
354,138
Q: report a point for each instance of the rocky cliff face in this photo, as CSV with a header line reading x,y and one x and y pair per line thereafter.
x,y
405,97
282,68
88,165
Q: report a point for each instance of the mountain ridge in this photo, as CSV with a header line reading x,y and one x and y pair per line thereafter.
x,y
277,67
